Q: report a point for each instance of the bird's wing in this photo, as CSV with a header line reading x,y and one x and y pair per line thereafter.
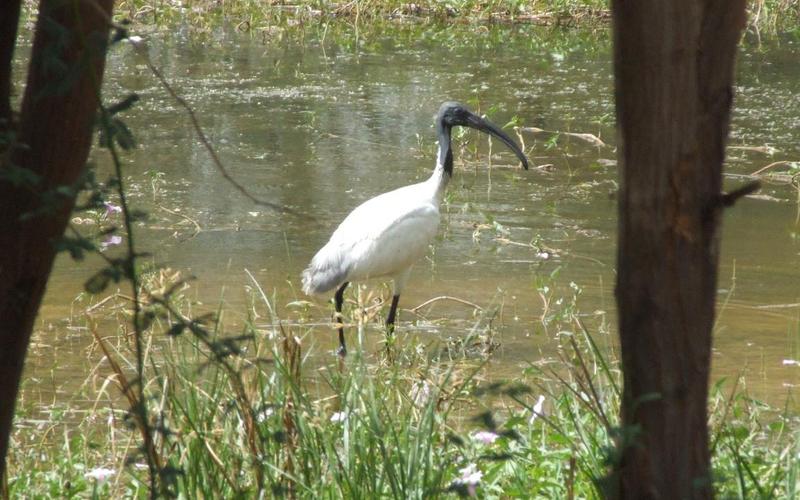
x,y
380,237
376,215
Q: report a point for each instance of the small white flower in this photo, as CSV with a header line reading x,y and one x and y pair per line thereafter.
x,y
485,437
101,474
421,393
537,410
263,415
469,476
136,41
338,417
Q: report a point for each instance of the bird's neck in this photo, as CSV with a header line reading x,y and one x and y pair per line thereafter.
x,y
444,162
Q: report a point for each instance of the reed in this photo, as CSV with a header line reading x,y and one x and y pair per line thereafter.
x,y
261,412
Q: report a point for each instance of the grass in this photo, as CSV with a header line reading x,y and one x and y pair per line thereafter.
x,y
256,411
253,14
768,16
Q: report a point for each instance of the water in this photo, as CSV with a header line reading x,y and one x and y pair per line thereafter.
x,y
321,127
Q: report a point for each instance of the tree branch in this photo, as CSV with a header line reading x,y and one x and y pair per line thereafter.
x,y
728,199
142,49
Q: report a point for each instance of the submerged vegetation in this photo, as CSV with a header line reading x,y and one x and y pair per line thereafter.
x,y
264,408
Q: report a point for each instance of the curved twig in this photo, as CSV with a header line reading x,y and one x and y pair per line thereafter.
x,y
194,222
773,164
446,297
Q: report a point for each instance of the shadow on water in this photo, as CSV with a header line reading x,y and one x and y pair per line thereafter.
x,y
321,127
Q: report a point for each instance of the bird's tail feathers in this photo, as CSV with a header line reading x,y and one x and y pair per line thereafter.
x,y
320,279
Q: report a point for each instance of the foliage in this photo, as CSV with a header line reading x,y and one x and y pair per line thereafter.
x,y
220,413
242,411
769,16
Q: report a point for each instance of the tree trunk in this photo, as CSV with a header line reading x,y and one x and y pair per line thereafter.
x,y
9,19
53,140
673,65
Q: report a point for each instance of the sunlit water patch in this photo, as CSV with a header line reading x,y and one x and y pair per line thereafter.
x,y
321,128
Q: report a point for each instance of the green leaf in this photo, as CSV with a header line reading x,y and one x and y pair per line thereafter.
x,y
120,33
146,320
97,283
76,246
176,329
19,176
124,136
123,105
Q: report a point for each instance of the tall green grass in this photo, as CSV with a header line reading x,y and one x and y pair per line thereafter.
x,y
256,413
256,14
768,16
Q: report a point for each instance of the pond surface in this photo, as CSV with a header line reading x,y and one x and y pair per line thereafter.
x,y
323,126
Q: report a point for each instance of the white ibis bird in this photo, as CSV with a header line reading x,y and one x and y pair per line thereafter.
x,y
385,235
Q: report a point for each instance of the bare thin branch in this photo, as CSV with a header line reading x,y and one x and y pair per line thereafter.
x,y
728,199
141,48
446,297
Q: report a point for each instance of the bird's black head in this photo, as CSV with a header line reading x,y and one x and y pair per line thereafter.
x,y
452,114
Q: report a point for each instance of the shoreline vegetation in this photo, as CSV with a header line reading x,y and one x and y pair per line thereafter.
x,y
264,409
267,17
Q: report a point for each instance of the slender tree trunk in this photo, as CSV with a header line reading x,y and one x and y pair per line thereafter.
x,y
9,19
673,64
54,135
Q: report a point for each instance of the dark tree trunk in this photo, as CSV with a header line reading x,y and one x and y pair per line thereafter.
x,y
673,64
54,135
9,19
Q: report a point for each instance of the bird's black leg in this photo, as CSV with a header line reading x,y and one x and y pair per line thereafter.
x,y
339,300
392,313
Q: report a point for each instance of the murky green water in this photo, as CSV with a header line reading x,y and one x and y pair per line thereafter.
x,y
323,127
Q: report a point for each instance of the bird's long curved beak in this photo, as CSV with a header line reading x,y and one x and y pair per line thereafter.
x,y
478,123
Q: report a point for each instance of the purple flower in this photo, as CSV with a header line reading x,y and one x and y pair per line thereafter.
x,y
110,241
485,437
101,474
112,209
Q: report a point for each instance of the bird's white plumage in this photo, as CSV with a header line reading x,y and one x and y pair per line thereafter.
x,y
382,237
385,235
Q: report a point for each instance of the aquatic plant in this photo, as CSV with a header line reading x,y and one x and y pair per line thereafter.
x,y
262,409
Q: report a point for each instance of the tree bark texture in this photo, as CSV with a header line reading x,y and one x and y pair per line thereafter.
x,y
54,136
673,68
9,20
